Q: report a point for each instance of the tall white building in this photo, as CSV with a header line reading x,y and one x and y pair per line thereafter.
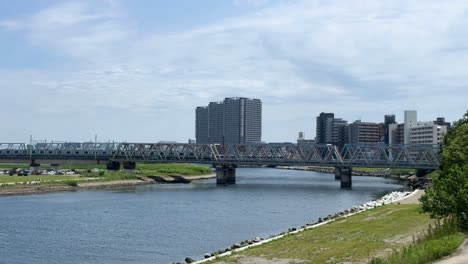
x,y
411,118
427,133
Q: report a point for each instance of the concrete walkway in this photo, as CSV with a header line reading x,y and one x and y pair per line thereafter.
x,y
459,257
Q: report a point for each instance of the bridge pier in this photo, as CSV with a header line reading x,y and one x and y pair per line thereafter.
x,y
129,166
113,165
344,174
55,167
225,174
34,167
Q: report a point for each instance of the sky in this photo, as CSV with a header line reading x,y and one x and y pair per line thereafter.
x,y
135,70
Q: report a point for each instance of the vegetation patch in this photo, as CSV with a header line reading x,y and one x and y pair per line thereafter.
x,y
355,238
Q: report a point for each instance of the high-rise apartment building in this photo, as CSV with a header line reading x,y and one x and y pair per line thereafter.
x,y
201,125
242,120
364,133
216,122
236,120
321,127
388,120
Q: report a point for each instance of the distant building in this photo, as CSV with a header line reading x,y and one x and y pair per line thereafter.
x,y
411,118
192,141
441,122
336,132
301,140
236,120
321,127
201,125
396,134
388,120
364,133
427,133
216,122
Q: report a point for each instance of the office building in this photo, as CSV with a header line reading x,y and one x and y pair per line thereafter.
x,y
321,127
441,122
235,120
301,140
411,118
364,133
427,133
201,125
388,120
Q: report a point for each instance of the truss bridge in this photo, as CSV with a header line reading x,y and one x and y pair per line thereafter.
x,y
226,157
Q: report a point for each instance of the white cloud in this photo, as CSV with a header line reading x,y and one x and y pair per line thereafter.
x,y
300,57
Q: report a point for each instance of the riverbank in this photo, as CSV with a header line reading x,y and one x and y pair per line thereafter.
x,y
241,252
25,189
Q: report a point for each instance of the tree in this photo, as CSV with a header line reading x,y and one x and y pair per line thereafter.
x,y
449,193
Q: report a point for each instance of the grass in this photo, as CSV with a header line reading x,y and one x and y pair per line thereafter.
x,y
43,178
144,169
355,238
390,171
437,242
150,169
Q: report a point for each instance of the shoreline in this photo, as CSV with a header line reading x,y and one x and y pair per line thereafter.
x,y
390,198
31,189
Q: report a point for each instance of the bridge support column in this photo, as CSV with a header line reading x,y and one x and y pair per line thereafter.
x,y
337,173
225,174
129,166
34,167
55,167
113,165
345,176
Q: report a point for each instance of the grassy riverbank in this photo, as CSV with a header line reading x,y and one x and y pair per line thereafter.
x,y
358,238
98,173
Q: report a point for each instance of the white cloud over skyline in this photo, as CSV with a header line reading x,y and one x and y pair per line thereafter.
x,y
358,59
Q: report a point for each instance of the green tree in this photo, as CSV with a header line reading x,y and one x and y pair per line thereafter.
x,y
449,193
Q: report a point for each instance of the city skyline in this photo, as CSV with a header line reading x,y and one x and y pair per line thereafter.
x,y
126,70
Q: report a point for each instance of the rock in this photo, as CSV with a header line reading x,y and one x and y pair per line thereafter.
x,y
256,240
237,245
320,220
189,260
207,255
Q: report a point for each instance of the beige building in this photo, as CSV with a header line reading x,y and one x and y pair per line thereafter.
x,y
426,133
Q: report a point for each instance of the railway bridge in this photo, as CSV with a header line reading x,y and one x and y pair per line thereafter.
x,y
226,158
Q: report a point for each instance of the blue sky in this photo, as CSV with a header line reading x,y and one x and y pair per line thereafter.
x,y
136,70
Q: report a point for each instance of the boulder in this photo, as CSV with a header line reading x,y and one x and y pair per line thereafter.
x,y
189,260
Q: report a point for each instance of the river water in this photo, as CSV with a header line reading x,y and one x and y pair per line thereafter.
x,y
164,223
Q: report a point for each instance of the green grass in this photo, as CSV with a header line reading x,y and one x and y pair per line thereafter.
x,y
142,169
355,238
434,174
437,242
152,169
391,171
30,178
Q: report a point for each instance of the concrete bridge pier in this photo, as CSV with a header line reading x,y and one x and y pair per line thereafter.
x,y
344,174
55,167
34,167
113,165
129,166
225,174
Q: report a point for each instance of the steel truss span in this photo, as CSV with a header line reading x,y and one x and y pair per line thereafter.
x,y
352,155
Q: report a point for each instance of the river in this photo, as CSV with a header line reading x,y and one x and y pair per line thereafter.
x,y
164,223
